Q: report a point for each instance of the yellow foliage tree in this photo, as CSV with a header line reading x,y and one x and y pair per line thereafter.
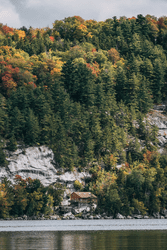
x,y
21,33
4,204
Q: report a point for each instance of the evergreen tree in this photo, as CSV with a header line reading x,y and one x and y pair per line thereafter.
x,y
32,129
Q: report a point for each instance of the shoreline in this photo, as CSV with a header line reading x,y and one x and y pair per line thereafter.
x,y
81,219
83,225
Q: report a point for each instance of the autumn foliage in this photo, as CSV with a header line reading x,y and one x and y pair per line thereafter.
x,y
83,88
26,196
113,55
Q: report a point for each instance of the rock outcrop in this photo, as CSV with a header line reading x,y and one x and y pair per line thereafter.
x,y
38,163
158,118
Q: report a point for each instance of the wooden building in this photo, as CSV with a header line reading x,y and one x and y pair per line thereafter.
x,y
83,197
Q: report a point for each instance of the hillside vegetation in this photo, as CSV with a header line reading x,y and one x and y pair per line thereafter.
x,y
83,88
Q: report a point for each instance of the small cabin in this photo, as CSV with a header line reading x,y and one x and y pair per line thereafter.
x,y
83,197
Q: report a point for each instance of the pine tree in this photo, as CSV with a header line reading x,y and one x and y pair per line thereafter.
x,y
12,143
32,128
158,80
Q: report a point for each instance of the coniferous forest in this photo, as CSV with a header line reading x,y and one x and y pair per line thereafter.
x,y
83,88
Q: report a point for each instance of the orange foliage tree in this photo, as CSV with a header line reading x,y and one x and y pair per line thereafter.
x,y
113,55
94,68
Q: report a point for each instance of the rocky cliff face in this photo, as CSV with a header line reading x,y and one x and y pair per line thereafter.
x,y
158,118
38,163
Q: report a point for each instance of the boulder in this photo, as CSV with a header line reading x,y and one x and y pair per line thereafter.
x,y
24,217
110,217
72,217
138,216
65,218
91,217
84,216
129,217
156,215
164,212
105,217
146,217
41,218
97,216
19,218
53,217
34,218
67,215
93,206
77,210
119,216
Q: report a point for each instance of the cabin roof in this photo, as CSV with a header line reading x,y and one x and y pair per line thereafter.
x,y
85,195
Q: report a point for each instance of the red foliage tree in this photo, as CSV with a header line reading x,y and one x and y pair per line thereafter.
x,y
52,38
7,30
8,77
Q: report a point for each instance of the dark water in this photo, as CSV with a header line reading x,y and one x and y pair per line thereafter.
x,y
82,240
84,235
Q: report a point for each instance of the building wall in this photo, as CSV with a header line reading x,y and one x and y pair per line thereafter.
x,y
74,197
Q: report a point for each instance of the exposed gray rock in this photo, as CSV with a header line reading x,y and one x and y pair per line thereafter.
x,y
93,206
97,216
164,212
35,162
73,176
104,214
72,217
120,216
108,217
77,210
158,118
160,107
91,217
67,215
129,217
24,217
146,217
38,163
156,215
84,216
137,216
19,218
65,203
53,217
65,218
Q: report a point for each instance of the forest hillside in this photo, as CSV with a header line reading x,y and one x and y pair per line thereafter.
x,y
85,89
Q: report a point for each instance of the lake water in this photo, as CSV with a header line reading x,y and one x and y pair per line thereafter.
x,y
84,235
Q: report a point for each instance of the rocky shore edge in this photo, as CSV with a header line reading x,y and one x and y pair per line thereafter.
x,y
88,216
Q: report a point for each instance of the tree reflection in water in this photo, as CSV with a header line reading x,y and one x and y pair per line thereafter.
x,y
84,240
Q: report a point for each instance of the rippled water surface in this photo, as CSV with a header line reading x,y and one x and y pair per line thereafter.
x,y
84,235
